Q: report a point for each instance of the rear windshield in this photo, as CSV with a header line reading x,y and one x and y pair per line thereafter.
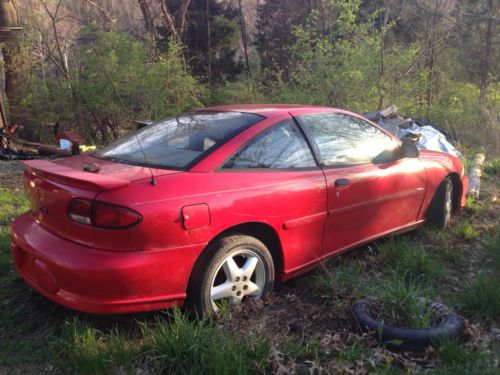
x,y
178,142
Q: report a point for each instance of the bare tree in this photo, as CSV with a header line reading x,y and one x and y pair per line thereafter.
x,y
176,24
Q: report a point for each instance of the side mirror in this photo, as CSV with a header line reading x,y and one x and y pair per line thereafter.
x,y
408,150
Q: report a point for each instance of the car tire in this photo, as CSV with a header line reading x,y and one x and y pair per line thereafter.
x,y
232,269
441,207
448,327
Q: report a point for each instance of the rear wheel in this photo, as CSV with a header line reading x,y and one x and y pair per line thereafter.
x,y
441,207
234,269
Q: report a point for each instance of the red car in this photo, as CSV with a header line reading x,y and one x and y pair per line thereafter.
x,y
217,204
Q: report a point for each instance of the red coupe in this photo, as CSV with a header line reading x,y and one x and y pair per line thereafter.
x,y
216,204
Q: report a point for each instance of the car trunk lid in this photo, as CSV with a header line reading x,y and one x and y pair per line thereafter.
x,y
51,185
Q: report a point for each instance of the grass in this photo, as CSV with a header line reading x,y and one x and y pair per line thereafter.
x,y
401,303
492,247
338,277
13,204
458,360
481,297
37,336
466,230
171,344
409,258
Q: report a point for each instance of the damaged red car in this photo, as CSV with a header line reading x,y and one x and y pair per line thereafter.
x,y
217,204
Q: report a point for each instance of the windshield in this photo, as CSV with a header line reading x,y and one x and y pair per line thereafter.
x,y
180,141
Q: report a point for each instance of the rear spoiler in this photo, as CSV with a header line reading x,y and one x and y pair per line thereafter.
x,y
73,177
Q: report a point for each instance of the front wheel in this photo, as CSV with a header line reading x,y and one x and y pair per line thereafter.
x,y
441,207
234,269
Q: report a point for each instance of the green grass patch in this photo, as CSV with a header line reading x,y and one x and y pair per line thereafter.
x,y
13,204
473,206
453,255
339,277
456,359
408,258
401,302
170,345
481,297
465,230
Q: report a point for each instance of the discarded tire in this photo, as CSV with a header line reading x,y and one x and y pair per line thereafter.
x,y
448,327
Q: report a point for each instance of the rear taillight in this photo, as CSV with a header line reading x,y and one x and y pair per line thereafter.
x,y
80,210
114,217
102,215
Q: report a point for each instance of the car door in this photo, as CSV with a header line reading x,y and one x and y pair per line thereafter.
x,y
371,191
280,184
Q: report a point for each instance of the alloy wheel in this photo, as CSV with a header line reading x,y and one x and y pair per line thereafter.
x,y
240,274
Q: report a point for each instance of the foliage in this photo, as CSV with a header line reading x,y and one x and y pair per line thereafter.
x,y
114,84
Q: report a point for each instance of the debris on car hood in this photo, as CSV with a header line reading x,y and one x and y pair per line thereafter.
x,y
424,136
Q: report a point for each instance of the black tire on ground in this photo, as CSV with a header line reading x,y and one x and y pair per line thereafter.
x,y
397,338
441,207
216,275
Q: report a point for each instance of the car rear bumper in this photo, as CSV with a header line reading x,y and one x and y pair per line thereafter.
x,y
97,281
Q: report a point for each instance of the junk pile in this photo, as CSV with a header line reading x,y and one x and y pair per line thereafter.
x,y
423,135
13,148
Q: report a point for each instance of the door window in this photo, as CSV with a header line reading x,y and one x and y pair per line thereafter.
x,y
282,146
346,140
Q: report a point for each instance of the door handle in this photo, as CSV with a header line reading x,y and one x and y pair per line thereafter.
x,y
342,182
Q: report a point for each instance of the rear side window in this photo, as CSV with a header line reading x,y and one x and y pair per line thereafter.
x,y
282,146
180,141
346,140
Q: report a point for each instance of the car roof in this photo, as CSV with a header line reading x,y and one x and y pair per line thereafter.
x,y
265,110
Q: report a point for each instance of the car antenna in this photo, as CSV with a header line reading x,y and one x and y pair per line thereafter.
x,y
152,182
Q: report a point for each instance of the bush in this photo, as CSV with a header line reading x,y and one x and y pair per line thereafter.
x,y
115,83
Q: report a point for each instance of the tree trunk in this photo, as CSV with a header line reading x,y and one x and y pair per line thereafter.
x,y
149,25
10,48
244,38
431,57
485,61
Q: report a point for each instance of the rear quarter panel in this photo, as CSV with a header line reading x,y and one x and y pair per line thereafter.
x,y
233,198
